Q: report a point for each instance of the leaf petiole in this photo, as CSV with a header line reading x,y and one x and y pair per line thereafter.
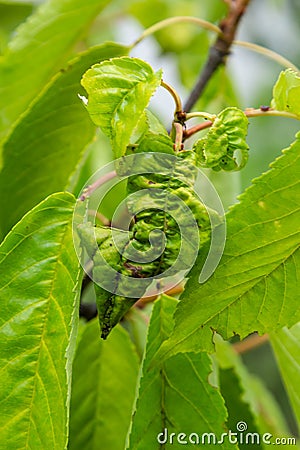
x,y
268,54
203,114
175,95
249,112
173,20
178,131
94,186
253,112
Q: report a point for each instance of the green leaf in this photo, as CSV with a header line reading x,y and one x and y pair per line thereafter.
x,y
12,14
255,286
245,395
136,324
156,142
103,391
150,136
286,346
37,50
238,409
175,397
39,310
119,90
286,92
111,307
217,149
46,145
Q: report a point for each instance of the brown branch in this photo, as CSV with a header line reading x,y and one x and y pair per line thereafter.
x,y
195,129
253,341
143,301
93,187
220,50
263,111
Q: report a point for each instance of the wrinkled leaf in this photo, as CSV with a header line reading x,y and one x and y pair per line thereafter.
x,y
111,308
176,396
39,313
217,149
47,144
255,286
37,51
103,390
286,346
286,92
169,212
118,92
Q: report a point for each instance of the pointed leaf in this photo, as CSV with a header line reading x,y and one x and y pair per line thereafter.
x,y
37,50
103,391
47,143
39,306
286,92
286,346
177,396
119,90
255,287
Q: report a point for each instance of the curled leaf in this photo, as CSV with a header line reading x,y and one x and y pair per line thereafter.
x,y
286,92
119,90
224,141
163,238
100,245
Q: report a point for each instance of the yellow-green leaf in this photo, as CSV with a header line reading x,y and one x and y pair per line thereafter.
x,y
286,92
38,50
286,346
46,145
175,396
103,391
256,285
39,310
118,92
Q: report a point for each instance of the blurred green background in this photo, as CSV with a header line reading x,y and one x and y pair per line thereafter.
x,y
181,50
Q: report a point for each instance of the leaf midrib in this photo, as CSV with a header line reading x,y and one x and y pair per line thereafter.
x,y
43,340
205,323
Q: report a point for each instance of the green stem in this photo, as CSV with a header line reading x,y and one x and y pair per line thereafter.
x,y
178,131
173,20
104,220
94,186
205,115
251,112
267,53
174,94
214,28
